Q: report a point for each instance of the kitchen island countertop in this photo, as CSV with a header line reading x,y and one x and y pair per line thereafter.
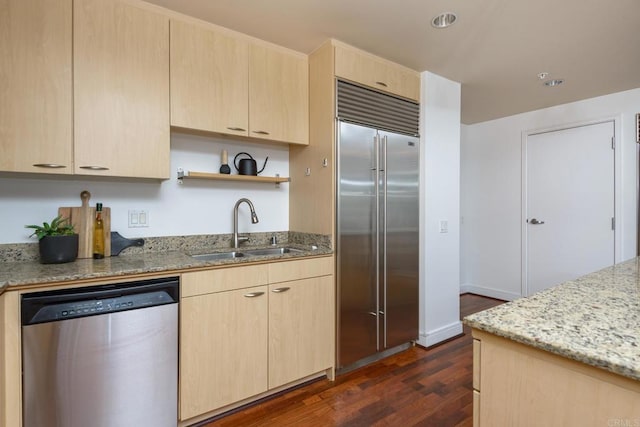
x,y
32,273
594,319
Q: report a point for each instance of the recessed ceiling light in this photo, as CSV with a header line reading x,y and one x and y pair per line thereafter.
x,y
554,82
444,20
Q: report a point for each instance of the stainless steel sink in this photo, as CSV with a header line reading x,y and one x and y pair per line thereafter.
x,y
218,255
245,253
272,251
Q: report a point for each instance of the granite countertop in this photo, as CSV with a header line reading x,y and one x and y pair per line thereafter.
x,y
594,319
25,273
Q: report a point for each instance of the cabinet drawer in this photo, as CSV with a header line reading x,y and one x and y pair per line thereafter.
x,y
294,270
224,279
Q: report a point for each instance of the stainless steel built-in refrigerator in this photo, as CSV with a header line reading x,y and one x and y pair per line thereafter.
x,y
377,223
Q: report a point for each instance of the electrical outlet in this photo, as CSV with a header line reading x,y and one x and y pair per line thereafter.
x,y
138,218
444,226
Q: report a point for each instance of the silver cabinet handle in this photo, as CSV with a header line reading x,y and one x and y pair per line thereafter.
x,y
383,84
95,168
49,165
237,129
261,132
253,294
280,290
535,221
373,313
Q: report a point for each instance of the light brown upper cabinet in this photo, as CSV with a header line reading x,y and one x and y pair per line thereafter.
x,y
278,95
35,89
369,70
209,80
224,83
121,90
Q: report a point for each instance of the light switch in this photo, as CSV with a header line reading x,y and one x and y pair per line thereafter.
x,y
138,218
444,226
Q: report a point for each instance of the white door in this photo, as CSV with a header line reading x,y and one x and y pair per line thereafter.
x,y
569,204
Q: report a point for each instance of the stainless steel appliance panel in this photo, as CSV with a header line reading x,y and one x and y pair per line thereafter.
x,y
377,245
107,370
400,252
356,242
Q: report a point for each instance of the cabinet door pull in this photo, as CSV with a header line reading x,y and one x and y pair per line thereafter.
x,y
383,84
253,294
237,129
261,132
95,168
49,165
280,290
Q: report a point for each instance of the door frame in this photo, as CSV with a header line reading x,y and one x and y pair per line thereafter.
x,y
617,191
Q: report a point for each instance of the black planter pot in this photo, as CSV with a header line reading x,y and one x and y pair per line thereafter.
x,y
58,249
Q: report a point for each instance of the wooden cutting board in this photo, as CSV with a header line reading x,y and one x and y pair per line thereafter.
x,y
83,218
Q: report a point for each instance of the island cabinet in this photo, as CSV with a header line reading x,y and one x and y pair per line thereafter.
x,y
380,74
209,80
518,385
121,90
249,331
36,123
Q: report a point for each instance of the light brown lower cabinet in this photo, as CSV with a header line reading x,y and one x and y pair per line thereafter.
x,y
245,331
224,349
301,336
518,385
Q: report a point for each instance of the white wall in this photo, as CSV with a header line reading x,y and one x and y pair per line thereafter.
x,y
196,207
440,183
491,188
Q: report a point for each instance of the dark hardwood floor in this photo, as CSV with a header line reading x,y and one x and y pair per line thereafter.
x,y
418,387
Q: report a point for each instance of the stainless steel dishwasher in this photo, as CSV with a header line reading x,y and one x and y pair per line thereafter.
x,y
101,356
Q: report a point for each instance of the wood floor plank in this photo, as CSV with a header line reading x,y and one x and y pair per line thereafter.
x,y
418,387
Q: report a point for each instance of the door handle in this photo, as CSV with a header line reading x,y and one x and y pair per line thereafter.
x,y
535,222
253,294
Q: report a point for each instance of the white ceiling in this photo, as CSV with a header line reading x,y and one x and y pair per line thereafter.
x,y
495,49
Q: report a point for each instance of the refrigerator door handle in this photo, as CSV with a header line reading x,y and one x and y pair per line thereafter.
x,y
374,159
384,239
377,238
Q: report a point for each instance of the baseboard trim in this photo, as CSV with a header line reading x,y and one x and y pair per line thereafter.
x,y
488,292
444,333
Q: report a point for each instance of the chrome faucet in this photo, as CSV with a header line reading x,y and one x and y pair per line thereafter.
x,y
254,220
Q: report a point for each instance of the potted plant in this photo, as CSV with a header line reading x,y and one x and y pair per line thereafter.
x,y
58,241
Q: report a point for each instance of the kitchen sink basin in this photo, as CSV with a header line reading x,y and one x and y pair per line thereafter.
x,y
272,251
218,255
245,253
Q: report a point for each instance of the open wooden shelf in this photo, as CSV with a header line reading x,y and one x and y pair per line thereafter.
x,y
182,174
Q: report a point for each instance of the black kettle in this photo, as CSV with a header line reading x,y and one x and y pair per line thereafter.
x,y
248,166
